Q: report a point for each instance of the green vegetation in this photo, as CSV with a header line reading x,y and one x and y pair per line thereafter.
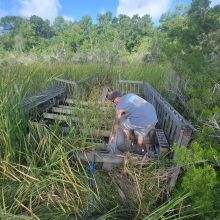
x,y
179,58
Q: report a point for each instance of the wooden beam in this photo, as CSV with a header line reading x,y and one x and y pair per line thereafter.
x,y
108,158
87,110
92,132
76,119
185,135
72,101
104,94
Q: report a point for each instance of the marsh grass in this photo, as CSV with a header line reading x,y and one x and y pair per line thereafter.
x,y
39,177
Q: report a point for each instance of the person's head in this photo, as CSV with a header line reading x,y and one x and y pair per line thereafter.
x,y
115,97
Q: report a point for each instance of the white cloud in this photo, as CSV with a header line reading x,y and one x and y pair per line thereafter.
x,y
68,18
214,2
46,9
142,7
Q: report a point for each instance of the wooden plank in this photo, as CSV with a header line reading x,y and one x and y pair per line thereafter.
x,y
60,117
104,94
185,135
65,110
89,110
72,101
93,132
108,158
76,119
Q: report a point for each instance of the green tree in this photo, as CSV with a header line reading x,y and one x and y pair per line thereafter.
x,y
104,22
7,41
28,34
10,24
73,38
60,24
85,24
40,27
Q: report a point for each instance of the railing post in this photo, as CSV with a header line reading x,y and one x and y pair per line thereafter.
x,y
117,85
185,135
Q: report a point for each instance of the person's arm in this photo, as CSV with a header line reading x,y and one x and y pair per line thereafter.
x,y
118,114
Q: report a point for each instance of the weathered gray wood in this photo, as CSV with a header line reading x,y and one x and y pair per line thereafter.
x,y
83,103
185,135
89,110
76,119
129,86
104,94
60,117
65,110
52,95
108,158
92,132
175,170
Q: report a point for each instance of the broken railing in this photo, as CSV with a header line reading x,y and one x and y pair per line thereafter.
x,y
82,87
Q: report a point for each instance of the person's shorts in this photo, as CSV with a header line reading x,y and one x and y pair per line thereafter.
x,y
138,130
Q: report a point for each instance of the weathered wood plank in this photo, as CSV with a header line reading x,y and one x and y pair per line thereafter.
x,y
65,110
60,117
92,132
185,135
104,94
89,110
109,158
72,101
76,119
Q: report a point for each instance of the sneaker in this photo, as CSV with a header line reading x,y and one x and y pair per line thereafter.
x,y
140,149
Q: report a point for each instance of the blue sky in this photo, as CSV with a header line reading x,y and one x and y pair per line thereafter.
x,y
74,9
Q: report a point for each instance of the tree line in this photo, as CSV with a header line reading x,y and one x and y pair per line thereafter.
x,y
23,34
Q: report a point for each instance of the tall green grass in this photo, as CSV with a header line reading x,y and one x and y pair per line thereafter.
x,y
39,177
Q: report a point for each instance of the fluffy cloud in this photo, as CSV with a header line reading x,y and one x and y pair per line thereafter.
x,y
68,18
46,9
142,7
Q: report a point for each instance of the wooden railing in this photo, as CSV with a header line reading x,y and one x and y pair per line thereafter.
x,y
175,127
78,87
129,86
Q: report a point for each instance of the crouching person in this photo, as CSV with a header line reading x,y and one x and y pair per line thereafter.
x,y
140,116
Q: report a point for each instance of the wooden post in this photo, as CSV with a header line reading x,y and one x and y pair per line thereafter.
x,y
184,138
185,135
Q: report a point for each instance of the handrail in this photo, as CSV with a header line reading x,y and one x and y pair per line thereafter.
x,y
73,87
175,126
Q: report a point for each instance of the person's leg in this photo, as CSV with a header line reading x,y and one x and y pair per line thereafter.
x,y
140,140
127,134
126,127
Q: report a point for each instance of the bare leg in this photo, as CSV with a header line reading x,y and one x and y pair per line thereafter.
x,y
127,134
140,140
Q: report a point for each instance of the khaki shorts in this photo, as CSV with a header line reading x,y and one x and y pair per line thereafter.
x,y
138,130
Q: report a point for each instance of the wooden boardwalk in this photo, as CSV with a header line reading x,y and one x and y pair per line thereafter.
x,y
171,127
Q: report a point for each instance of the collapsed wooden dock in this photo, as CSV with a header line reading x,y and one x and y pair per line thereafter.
x,y
63,102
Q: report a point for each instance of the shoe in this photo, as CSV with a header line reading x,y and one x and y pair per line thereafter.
x,y
140,149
